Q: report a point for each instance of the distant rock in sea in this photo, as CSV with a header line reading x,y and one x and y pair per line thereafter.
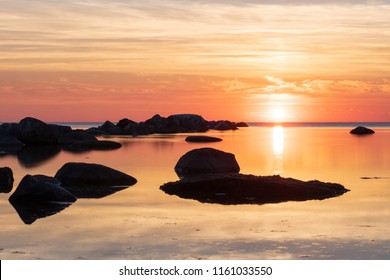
x,y
231,189
206,160
361,130
202,139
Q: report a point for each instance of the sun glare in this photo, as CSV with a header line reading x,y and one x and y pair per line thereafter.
x,y
278,115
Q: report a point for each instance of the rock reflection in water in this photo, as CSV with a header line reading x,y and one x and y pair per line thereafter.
x,y
32,211
32,156
94,191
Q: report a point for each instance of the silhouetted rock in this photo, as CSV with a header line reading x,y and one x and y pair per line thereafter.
x,y
202,139
250,189
191,122
110,128
34,155
86,174
9,144
60,130
206,160
9,128
222,125
6,179
141,129
241,124
94,131
125,122
35,132
102,145
76,136
361,130
39,189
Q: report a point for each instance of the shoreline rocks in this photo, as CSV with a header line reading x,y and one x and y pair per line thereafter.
x,y
6,180
202,139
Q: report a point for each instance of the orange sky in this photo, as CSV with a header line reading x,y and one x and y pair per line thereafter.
x,y
241,60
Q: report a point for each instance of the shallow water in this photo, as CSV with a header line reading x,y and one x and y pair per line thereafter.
x,y
142,222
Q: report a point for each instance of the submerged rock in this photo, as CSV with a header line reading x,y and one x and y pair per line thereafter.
x,y
250,189
6,179
206,160
361,130
202,139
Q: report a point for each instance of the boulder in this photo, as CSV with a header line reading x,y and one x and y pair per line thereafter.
x,y
89,174
102,145
110,128
6,180
125,122
9,144
361,130
76,136
35,132
222,125
94,131
241,124
206,160
60,130
249,189
191,122
202,139
34,189
9,128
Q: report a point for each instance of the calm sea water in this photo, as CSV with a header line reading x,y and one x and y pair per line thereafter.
x,y
142,222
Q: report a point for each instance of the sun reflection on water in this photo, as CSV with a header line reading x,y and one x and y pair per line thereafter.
x,y
278,148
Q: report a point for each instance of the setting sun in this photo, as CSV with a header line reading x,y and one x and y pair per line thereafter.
x,y
278,115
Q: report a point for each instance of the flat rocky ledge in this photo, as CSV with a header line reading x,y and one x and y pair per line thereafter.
x,y
230,189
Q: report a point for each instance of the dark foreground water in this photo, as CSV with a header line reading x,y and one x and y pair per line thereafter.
x,y
142,222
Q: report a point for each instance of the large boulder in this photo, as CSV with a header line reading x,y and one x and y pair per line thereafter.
x,y
110,128
222,125
87,180
9,144
250,189
191,122
206,160
76,136
35,132
9,128
33,189
6,179
60,130
125,122
361,130
80,174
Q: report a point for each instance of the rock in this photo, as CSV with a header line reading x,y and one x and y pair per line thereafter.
x,y
191,122
60,130
39,189
202,139
75,137
94,131
241,124
102,145
9,144
361,130
110,128
82,179
125,122
222,125
35,132
141,129
6,180
250,189
9,128
206,160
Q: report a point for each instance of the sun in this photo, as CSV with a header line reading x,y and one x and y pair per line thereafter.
x,y
278,114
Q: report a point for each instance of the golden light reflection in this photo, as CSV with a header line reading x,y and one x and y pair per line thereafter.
x,y
278,148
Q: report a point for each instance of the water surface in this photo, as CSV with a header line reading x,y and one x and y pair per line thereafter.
x,y
142,222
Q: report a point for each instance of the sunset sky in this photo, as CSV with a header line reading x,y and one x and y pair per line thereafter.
x,y
249,60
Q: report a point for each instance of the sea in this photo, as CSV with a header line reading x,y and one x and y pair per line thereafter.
x,y
143,222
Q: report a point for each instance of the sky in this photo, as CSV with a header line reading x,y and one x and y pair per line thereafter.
x,y
93,60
